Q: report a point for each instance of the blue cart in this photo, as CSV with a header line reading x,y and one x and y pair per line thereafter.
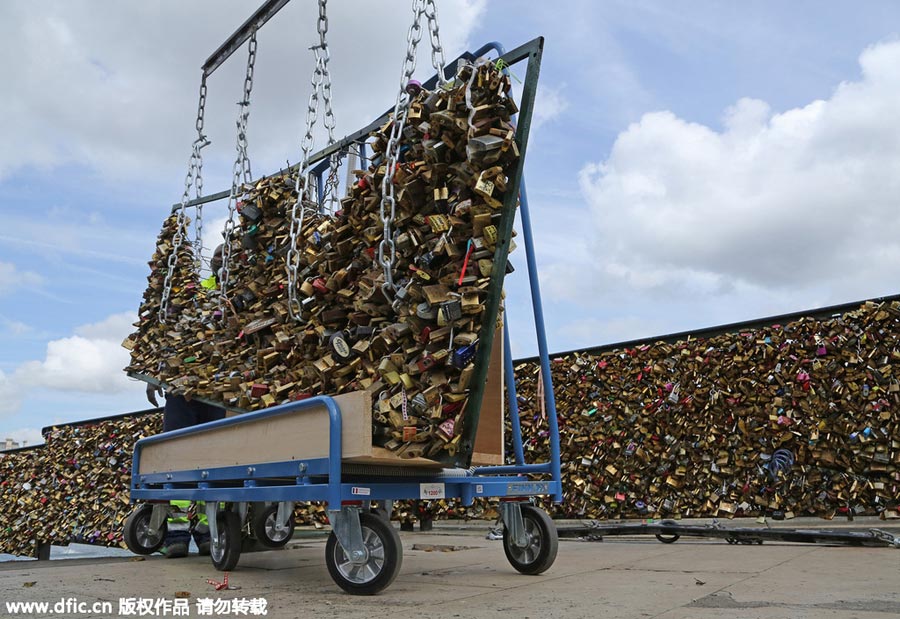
x,y
363,552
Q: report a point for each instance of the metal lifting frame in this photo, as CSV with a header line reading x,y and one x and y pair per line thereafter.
x,y
532,52
328,479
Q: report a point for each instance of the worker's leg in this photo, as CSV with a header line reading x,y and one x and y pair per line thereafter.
x,y
178,536
201,531
178,413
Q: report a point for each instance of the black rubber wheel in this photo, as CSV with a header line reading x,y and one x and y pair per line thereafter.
x,y
138,536
263,527
668,539
540,550
384,556
226,556
381,513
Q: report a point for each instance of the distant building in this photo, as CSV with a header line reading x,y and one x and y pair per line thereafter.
x,y
10,444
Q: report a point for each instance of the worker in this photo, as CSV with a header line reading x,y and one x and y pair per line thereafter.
x,y
181,412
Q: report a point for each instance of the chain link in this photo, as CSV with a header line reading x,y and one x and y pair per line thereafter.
x,y
241,174
194,178
320,81
437,52
387,253
198,181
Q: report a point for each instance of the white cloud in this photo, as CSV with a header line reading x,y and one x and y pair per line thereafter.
x,y
14,328
596,331
113,328
10,394
550,103
13,280
25,436
90,361
112,86
796,207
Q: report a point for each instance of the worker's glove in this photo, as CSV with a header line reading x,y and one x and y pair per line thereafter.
x,y
152,392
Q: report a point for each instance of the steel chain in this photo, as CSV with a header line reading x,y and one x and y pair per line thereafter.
x,y
320,81
198,181
437,52
194,178
241,174
387,253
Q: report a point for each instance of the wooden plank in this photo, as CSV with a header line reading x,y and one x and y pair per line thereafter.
x,y
276,439
304,435
489,443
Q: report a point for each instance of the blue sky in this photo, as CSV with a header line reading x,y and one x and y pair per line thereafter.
x,y
691,164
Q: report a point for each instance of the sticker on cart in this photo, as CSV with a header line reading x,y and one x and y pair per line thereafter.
x,y
524,488
431,491
356,490
479,489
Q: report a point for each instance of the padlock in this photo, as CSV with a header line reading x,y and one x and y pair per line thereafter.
x,y
340,347
449,311
463,356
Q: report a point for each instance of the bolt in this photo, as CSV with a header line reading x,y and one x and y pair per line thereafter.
x,y
250,470
303,467
204,474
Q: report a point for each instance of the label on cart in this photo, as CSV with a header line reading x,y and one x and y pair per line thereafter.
x,y
431,491
360,491
524,488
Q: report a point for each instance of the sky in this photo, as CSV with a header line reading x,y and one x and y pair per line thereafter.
x,y
690,164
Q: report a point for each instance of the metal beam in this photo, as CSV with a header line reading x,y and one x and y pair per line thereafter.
x,y
234,42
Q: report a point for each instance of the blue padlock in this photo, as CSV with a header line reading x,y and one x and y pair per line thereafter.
x,y
462,356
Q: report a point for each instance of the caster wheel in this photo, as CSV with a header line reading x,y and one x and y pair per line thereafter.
x,y
539,552
384,555
264,529
381,513
668,539
226,554
139,538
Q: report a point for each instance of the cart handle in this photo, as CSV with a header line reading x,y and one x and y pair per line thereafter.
x,y
335,446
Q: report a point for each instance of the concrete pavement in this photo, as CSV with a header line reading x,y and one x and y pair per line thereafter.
x,y
456,572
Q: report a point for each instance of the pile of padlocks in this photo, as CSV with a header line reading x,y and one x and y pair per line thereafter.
x,y
73,488
801,418
414,345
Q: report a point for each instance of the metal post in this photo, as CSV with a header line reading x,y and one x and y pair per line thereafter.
x,y
537,306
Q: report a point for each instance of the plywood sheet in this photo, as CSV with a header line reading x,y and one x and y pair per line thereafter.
x,y
292,436
489,442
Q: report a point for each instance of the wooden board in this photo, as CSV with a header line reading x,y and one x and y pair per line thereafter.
x,y
304,435
489,441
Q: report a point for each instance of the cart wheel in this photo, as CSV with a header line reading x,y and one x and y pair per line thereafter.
x,y
539,552
381,513
384,557
226,555
139,538
264,528
668,539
